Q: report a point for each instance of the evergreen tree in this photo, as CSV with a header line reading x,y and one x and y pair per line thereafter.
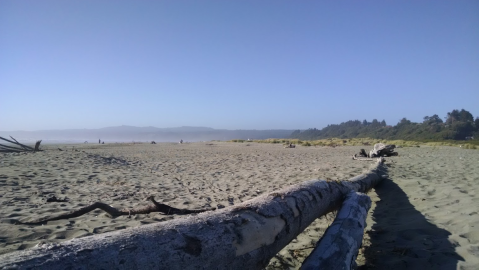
x,y
432,120
458,126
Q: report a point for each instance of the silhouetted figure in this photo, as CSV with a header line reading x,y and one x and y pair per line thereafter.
x,y
99,141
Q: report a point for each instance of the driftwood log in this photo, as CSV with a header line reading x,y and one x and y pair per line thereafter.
x,y
244,236
338,248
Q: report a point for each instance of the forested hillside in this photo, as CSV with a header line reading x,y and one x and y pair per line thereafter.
x,y
458,125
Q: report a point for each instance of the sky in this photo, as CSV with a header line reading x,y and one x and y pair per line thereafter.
x,y
234,64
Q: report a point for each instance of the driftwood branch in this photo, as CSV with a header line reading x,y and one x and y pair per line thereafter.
x,y
244,236
10,148
21,145
113,212
378,159
363,159
18,147
338,248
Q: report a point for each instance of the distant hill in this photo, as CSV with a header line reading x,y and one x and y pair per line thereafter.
x,y
131,133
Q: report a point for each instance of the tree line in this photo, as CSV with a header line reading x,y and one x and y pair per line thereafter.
x,y
458,125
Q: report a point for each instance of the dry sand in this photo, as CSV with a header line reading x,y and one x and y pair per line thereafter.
x,y
423,217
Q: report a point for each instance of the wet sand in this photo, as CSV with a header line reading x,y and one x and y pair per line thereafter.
x,y
423,217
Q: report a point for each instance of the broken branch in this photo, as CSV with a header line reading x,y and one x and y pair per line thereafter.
x,y
156,207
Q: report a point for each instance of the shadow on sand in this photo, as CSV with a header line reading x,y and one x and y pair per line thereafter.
x,y
402,238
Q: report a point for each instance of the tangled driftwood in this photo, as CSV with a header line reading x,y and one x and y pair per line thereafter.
x,y
156,207
18,146
379,150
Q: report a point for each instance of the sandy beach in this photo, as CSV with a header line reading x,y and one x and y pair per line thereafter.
x,y
424,216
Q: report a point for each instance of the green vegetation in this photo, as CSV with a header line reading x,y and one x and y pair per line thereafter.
x,y
334,142
458,127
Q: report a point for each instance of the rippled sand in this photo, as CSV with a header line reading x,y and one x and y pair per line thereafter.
x,y
423,216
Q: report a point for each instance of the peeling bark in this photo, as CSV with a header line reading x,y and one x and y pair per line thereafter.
x,y
244,236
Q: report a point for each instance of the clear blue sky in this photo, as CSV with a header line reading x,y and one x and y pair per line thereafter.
x,y
234,64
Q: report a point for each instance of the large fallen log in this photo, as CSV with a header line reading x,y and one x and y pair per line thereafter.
x,y
244,236
339,245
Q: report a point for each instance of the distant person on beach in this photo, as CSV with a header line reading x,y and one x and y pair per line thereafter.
x,y
181,141
99,141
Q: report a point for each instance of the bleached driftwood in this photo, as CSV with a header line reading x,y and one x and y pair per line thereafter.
x,y
244,236
363,158
339,245
381,149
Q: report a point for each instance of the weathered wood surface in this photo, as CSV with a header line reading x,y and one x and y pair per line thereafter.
x,y
244,236
339,245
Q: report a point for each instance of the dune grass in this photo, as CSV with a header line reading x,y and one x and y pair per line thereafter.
x,y
335,142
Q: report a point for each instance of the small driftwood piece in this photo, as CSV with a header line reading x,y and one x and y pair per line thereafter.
x,y
18,147
338,247
55,199
363,159
37,146
113,212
